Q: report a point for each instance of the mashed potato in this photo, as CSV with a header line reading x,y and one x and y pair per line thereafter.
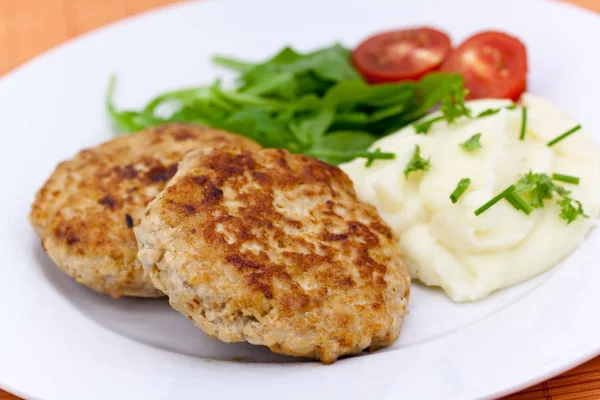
x,y
445,244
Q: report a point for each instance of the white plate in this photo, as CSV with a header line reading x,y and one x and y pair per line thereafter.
x,y
59,340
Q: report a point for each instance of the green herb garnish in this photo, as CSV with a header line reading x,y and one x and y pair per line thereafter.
x,y
494,200
417,163
569,211
540,187
377,155
453,107
313,103
488,112
462,186
493,111
513,202
523,123
566,178
425,126
518,202
473,143
564,135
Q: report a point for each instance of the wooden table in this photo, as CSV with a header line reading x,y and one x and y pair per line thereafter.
x,y
22,37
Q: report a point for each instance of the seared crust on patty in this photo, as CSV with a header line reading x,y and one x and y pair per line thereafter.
x,y
86,210
275,249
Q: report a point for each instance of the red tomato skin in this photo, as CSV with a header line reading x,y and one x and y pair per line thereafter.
x,y
507,78
369,53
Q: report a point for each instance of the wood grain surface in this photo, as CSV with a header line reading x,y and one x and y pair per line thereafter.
x,y
30,27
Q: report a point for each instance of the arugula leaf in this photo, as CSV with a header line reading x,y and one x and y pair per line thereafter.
x,y
262,126
277,76
127,121
311,128
346,144
569,211
417,163
313,103
473,143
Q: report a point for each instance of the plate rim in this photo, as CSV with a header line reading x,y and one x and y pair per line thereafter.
x,y
585,354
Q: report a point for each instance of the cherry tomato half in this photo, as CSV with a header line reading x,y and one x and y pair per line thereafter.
x,y
405,54
493,64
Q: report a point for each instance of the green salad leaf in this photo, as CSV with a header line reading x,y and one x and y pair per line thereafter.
x,y
314,103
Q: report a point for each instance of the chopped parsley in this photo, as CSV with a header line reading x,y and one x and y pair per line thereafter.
x,y
569,211
540,187
488,112
493,111
417,163
376,155
424,126
453,107
472,144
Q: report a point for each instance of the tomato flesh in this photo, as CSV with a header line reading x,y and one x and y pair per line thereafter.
x,y
493,64
405,54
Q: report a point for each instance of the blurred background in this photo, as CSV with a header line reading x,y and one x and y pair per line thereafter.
x,y
30,27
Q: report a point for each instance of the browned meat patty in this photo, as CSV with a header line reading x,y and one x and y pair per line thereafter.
x,y
275,249
86,210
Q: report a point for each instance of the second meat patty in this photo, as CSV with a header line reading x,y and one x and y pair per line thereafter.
x,y
275,249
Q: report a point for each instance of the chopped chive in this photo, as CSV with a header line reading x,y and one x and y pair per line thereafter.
x,y
521,204
566,178
496,199
462,186
523,123
513,203
564,135
511,107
